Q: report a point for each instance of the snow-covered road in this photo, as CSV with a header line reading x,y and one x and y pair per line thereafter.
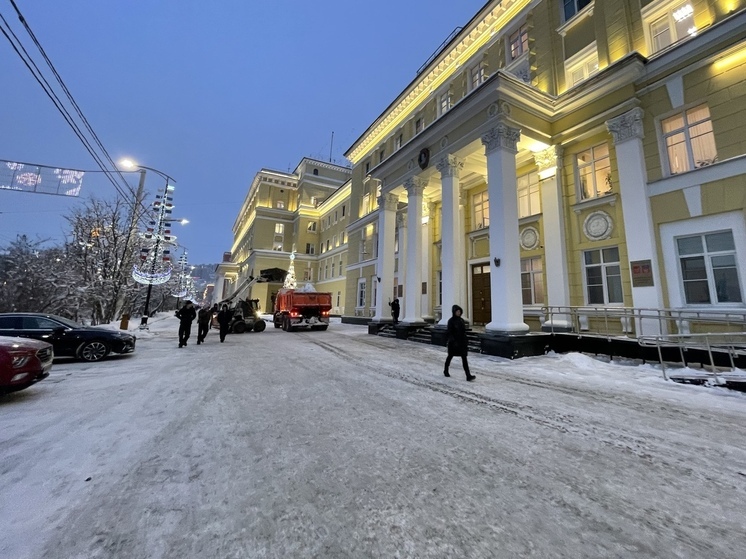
x,y
339,444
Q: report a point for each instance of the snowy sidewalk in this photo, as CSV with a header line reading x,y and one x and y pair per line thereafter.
x,y
341,444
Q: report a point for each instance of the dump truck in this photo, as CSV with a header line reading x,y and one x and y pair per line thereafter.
x,y
302,308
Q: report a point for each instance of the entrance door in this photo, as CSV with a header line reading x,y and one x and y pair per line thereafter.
x,y
481,294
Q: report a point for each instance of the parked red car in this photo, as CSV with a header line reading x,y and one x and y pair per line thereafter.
x,y
23,362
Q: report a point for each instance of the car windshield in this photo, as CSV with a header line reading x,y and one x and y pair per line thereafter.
x,y
66,321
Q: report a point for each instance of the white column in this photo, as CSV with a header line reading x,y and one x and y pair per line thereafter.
x,y
217,294
413,287
450,170
501,147
387,204
555,241
462,278
401,224
427,274
627,132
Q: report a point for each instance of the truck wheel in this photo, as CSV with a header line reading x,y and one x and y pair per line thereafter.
x,y
286,324
259,326
239,327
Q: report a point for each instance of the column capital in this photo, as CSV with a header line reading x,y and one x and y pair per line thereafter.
x,y
401,220
501,136
415,186
546,161
388,201
627,126
450,166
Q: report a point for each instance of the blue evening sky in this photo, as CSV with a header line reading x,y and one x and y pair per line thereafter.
x,y
207,91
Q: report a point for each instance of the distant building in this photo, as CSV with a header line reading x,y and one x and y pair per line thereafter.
x,y
305,211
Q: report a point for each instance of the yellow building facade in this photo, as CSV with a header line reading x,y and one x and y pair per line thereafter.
x,y
556,154
303,212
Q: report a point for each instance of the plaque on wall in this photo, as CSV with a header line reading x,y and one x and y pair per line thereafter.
x,y
642,273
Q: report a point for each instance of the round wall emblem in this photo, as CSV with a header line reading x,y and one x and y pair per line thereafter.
x,y
423,160
529,238
598,226
410,164
444,142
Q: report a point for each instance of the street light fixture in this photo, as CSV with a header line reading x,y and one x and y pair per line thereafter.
x,y
164,208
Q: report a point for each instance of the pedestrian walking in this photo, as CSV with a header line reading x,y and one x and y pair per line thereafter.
x,y
458,343
203,323
186,316
395,308
224,319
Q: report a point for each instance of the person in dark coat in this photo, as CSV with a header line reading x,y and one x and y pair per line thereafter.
x,y
458,343
186,316
224,319
395,308
203,323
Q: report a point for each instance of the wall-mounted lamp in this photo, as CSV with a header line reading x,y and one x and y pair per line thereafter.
x,y
497,262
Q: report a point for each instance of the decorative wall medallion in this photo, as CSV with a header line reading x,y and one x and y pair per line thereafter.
x,y
529,238
410,165
500,108
444,142
492,110
598,226
423,160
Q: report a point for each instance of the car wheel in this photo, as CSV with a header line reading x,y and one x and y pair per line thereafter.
x,y
93,351
259,326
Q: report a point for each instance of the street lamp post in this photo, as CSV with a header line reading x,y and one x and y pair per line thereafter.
x,y
164,207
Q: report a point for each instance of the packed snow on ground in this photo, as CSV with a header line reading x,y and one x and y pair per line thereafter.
x,y
342,444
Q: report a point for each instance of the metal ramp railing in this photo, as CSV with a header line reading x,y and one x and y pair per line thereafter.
x,y
732,344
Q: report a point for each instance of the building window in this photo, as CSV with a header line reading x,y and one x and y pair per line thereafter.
x,y
366,205
343,210
279,228
328,244
481,204
477,76
344,238
418,126
310,248
307,275
532,281
328,221
398,142
334,265
665,27
312,227
315,171
341,266
708,268
445,102
336,216
374,294
582,65
335,241
529,200
280,205
339,298
689,140
277,245
519,42
382,155
603,276
594,172
326,270
361,293
572,7
367,167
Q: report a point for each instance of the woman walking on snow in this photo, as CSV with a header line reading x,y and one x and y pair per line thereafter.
x,y
224,319
204,316
458,343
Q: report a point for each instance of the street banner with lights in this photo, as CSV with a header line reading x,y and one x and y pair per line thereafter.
x,y
41,179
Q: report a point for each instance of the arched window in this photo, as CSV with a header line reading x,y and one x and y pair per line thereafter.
x,y
315,171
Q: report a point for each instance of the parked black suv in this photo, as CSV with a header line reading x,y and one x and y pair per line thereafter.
x,y
68,337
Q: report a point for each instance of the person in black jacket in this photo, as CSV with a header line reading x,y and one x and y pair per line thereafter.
x,y
224,319
186,316
395,308
458,343
204,316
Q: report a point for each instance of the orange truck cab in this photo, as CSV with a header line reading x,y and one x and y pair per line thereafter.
x,y
302,309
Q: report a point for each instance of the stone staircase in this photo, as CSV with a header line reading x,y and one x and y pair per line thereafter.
x,y
424,336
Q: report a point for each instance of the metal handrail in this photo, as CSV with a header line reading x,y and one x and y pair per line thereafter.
x,y
734,343
664,320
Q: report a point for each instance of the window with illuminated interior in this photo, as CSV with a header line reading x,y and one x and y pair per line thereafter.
x,y
689,140
594,172
668,22
481,205
529,199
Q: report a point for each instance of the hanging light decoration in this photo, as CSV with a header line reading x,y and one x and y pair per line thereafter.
x,y
155,257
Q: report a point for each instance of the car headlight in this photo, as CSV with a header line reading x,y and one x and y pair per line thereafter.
x,y
20,360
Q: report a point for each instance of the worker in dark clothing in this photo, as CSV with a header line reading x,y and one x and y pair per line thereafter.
x,y
186,316
203,323
224,319
395,308
458,343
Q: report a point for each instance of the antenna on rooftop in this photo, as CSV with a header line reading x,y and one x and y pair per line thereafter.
x,y
331,147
